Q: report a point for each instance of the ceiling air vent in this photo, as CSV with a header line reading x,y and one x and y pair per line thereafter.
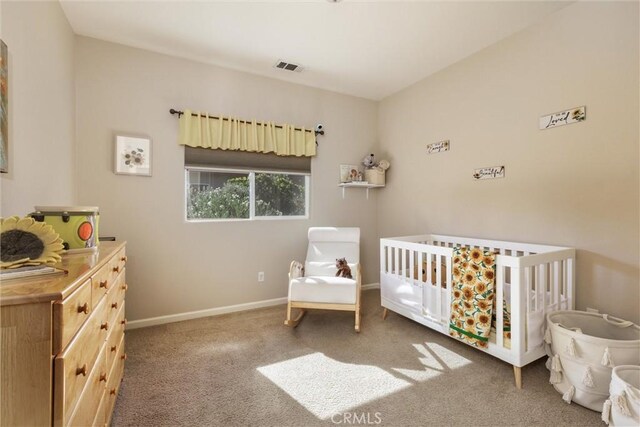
x,y
288,66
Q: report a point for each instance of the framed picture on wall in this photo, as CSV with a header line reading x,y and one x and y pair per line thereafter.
x,y
348,173
133,155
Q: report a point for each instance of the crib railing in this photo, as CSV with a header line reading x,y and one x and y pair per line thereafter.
x,y
534,279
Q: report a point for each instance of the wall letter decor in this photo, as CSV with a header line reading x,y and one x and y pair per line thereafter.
x,y
438,147
489,173
562,118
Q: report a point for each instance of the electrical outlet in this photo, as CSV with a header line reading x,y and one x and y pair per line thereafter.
x,y
261,276
592,310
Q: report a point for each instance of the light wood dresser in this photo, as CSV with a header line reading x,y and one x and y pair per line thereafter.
x,y
62,342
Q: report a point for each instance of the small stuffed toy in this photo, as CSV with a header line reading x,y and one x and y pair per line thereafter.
x,y
297,269
343,268
369,161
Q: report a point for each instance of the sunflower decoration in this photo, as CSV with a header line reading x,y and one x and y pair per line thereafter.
x,y
25,241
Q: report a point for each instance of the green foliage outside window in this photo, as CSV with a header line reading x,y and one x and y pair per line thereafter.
x,y
276,195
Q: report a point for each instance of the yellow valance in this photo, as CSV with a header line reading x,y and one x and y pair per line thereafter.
x,y
228,133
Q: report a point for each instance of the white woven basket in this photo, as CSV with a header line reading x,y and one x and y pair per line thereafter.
x,y
623,406
584,349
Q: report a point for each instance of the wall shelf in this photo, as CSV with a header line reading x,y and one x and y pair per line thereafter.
x,y
358,185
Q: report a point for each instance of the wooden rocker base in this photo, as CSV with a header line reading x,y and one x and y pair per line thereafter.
x,y
294,322
303,306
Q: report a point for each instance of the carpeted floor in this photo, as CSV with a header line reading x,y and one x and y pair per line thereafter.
x,y
248,369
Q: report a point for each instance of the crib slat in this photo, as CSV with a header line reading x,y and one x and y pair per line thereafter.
x,y
412,269
447,312
571,274
536,286
429,268
389,260
499,306
383,250
403,262
419,266
438,288
542,296
556,285
528,287
518,316
396,261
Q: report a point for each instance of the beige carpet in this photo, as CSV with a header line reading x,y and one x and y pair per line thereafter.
x,y
248,369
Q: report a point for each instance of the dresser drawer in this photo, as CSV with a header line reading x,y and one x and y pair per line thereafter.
x,y
115,378
115,338
100,283
115,297
75,364
118,261
101,415
69,315
87,408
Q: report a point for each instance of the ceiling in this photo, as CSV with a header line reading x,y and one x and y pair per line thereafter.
x,y
367,49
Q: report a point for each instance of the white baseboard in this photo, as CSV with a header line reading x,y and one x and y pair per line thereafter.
x,y
170,318
161,320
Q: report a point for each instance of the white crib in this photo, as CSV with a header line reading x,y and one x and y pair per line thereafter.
x,y
531,279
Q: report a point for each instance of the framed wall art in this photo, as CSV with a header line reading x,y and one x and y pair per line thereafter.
x,y
132,155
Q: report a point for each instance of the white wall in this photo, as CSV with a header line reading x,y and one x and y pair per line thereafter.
x,y
575,185
41,107
174,266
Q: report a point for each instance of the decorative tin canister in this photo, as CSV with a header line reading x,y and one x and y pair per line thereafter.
x,y
77,225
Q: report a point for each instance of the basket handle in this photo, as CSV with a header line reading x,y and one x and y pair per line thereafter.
x,y
574,329
619,323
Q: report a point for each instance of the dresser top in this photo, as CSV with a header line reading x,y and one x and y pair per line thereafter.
x,y
55,287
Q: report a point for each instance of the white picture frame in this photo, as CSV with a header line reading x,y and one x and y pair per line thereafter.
x,y
132,155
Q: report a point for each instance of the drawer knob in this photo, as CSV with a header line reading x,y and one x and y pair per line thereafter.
x,y
124,356
103,377
112,391
105,326
124,258
83,308
125,287
114,348
114,305
82,371
103,284
116,269
123,322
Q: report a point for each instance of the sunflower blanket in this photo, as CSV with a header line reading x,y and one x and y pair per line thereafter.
x,y
472,296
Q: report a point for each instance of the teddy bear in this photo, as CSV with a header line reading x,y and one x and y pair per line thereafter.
x,y
369,161
343,268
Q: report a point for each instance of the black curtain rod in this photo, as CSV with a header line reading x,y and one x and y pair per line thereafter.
x,y
179,113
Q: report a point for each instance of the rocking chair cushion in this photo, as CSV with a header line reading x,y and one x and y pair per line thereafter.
x,y
323,289
325,268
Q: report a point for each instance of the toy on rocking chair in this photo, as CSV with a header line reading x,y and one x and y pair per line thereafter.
x,y
343,268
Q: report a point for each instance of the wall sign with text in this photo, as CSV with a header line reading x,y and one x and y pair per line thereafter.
x,y
438,147
562,118
489,173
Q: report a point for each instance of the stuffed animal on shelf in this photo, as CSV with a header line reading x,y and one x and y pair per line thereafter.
x,y
369,161
343,268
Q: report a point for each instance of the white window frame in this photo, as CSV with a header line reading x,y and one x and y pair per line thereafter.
x,y
252,193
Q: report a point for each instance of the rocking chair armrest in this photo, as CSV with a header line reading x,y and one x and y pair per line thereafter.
x,y
358,275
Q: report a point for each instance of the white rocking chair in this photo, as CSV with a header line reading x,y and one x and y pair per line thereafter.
x,y
316,286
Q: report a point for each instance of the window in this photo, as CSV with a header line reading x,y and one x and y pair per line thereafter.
x,y
228,194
